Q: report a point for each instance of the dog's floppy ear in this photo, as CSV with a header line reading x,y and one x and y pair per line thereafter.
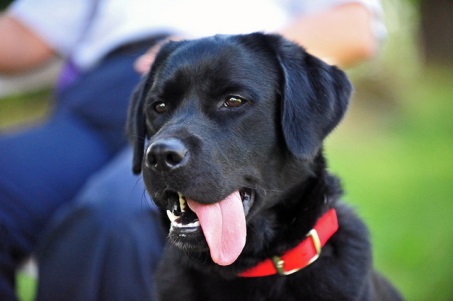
x,y
315,96
136,128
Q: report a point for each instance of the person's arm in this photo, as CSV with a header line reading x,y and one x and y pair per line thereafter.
x,y
20,48
342,35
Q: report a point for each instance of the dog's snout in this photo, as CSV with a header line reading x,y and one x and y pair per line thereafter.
x,y
166,154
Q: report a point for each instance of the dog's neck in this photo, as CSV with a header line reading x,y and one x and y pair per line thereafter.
x,y
299,257
297,217
287,224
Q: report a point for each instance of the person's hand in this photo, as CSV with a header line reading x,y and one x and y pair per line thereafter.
x,y
144,62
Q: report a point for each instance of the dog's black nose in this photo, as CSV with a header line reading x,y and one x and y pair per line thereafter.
x,y
166,154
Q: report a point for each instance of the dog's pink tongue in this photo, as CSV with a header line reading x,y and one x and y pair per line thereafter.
x,y
224,228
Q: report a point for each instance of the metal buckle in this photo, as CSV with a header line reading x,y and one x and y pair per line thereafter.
x,y
317,243
279,263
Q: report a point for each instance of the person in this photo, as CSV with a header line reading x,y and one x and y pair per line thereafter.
x,y
68,183
45,166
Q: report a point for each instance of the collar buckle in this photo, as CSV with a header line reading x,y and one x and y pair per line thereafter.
x,y
279,262
313,234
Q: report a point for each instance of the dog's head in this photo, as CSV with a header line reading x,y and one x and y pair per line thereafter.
x,y
231,125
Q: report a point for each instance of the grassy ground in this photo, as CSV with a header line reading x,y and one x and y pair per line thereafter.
x,y
397,170
23,110
26,286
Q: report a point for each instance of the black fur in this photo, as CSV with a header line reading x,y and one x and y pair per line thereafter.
x,y
271,144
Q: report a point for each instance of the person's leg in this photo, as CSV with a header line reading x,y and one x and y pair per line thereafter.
x,y
106,244
44,167
39,169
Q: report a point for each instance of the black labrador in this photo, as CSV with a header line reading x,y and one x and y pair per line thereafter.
x,y
233,128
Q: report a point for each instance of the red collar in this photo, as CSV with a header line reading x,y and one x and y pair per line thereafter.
x,y
300,256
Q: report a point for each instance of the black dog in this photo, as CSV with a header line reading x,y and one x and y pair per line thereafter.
x,y
235,127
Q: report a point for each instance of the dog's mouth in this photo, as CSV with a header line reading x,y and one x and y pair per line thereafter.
x,y
182,217
222,224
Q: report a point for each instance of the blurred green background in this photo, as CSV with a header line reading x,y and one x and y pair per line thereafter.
x,y
394,150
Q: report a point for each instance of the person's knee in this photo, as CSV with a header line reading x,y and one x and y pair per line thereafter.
x,y
112,206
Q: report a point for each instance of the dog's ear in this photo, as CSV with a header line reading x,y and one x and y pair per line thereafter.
x,y
136,127
136,124
315,96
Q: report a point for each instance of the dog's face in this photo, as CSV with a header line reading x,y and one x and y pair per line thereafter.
x,y
233,124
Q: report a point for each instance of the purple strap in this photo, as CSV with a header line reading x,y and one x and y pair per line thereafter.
x,y
67,75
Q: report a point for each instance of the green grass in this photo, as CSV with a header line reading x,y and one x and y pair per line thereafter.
x,y
26,286
20,110
398,174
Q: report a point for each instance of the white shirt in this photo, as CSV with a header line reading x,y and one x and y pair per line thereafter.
x,y
86,30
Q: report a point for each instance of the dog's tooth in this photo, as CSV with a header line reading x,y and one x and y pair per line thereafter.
x,y
182,202
171,216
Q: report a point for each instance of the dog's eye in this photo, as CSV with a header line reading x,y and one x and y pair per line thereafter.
x,y
233,102
160,107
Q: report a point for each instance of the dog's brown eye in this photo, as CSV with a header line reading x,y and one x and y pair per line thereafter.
x,y
233,102
160,107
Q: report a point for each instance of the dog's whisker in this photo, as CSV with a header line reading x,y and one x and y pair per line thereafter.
x,y
145,199
265,191
138,138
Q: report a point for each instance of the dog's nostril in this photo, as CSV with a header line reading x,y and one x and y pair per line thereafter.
x,y
166,154
174,158
151,160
